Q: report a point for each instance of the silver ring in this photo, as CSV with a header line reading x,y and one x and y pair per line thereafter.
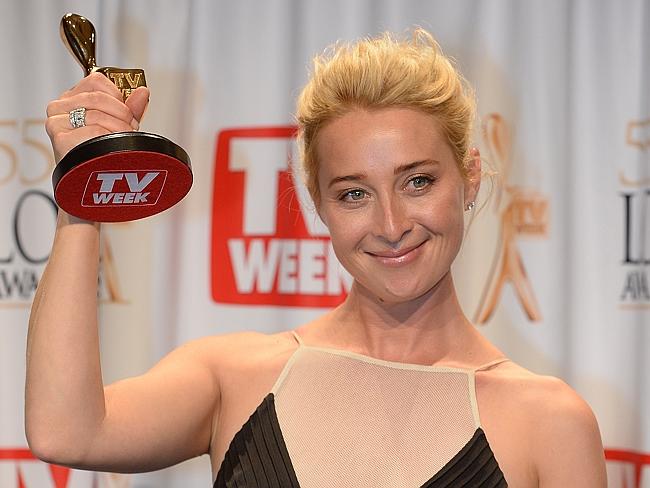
x,y
77,117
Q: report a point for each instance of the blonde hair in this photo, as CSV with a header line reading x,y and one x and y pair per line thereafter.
x,y
384,72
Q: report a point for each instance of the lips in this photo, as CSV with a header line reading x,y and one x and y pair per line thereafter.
x,y
397,256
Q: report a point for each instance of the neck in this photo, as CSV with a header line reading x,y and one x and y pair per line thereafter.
x,y
429,329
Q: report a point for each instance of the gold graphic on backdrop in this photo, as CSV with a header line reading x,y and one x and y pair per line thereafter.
x,y
523,212
637,134
24,156
625,181
635,289
26,161
108,273
10,158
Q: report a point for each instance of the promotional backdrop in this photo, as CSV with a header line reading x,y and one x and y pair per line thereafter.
x,y
555,265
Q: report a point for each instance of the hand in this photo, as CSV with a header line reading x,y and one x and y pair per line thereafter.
x,y
105,112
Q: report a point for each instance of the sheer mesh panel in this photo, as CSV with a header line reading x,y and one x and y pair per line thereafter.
x,y
349,420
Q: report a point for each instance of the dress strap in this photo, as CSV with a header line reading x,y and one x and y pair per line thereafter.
x,y
472,386
297,337
491,364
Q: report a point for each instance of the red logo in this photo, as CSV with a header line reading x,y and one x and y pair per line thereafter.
x,y
269,246
630,463
29,472
123,188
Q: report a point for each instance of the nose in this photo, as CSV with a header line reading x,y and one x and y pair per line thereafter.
x,y
392,222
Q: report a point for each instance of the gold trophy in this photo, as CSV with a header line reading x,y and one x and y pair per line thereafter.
x,y
78,34
120,176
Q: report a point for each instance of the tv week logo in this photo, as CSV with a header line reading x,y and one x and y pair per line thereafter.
x,y
20,469
123,188
627,469
269,247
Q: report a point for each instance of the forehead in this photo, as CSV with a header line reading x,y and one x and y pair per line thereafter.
x,y
370,140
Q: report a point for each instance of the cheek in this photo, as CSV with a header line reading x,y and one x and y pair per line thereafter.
x,y
347,230
440,211
344,243
344,229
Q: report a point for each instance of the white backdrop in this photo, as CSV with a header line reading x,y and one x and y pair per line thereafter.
x,y
555,266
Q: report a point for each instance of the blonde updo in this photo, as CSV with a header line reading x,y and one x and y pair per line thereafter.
x,y
378,73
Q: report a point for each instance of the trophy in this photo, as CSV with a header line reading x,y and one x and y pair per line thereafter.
x,y
121,176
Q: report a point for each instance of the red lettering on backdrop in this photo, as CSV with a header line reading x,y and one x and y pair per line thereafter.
x,y
636,459
268,247
60,475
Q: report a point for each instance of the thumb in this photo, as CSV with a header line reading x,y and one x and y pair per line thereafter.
x,y
138,101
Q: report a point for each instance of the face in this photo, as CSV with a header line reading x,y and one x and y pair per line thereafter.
x,y
393,199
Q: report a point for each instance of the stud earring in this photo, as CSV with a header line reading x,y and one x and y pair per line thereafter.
x,y
470,205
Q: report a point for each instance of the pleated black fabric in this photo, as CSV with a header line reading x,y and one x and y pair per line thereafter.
x,y
257,455
258,458
473,467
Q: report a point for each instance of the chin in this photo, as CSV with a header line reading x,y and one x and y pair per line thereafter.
x,y
396,293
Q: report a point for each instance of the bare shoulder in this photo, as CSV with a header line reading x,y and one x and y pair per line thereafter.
x,y
237,349
530,388
212,360
562,434
547,399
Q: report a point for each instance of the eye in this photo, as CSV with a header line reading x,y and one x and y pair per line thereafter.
x,y
353,195
419,182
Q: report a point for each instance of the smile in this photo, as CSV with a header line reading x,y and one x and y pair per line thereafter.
x,y
398,256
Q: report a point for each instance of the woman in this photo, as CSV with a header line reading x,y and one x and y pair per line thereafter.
x,y
393,388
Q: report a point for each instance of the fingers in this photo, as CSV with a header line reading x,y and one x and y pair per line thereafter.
x,y
138,101
105,112
94,82
98,85
61,122
95,102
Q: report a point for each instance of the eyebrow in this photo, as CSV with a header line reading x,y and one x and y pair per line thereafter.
x,y
416,164
400,169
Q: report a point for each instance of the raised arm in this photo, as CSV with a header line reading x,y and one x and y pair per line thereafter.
x,y
138,424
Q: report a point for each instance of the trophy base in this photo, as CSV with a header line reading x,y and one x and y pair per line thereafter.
x,y
121,177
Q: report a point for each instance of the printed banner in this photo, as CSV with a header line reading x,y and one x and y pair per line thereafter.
x,y
555,265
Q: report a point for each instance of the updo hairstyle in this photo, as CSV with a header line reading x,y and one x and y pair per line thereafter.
x,y
378,73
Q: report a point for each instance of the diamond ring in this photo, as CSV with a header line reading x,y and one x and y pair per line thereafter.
x,y
77,117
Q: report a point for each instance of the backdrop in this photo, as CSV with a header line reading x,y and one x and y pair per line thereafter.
x,y
554,268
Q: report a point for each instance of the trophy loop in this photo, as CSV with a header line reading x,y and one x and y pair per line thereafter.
x,y
78,34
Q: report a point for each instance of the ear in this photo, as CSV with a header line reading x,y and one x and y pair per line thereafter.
x,y
472,177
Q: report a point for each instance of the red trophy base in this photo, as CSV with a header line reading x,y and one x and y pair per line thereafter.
x,y
121,177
